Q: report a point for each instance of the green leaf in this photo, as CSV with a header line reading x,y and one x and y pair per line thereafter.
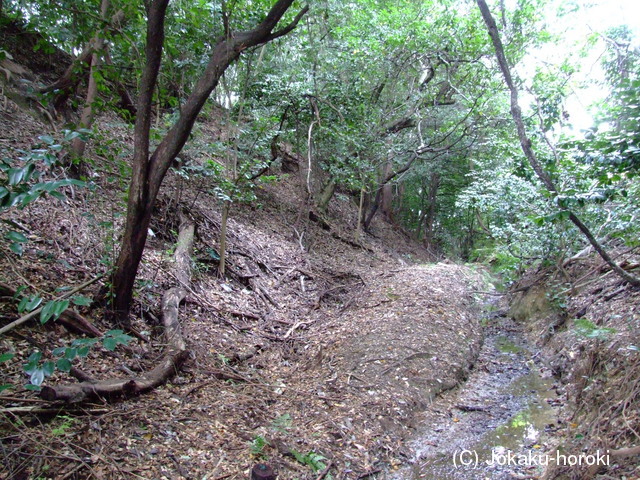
x,y
34,388
35,357
81,300
48,368
78,342
84,351
57,195
588,329
113,338
27,198
282,423
63,365
33,303
58,352
16,175
17,248
5,386
16,237
53,309
70,135
110,343
70,353
48,139
51,186
28,304
46,312
5,357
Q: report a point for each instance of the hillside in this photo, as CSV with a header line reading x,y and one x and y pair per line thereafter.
x,y
312,343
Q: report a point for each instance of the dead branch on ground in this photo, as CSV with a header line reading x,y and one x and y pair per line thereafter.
x,y
69,318
175,352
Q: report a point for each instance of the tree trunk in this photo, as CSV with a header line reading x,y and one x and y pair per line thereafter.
x,y
69,77
386,191
72,75
86,118
78,144
385,180
150,170
390,176
360,214
142,192
525,143
374,209
326,195
430,217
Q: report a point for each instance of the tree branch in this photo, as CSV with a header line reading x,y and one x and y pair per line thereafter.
x,y
289,27
525,143
32,314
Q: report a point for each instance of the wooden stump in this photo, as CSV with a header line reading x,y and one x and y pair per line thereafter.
x,y
262,471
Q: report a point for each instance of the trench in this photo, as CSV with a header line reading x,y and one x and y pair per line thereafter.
x,y
498,424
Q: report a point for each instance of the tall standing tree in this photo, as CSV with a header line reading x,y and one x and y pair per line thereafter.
x,y
526,144
86,118
150,168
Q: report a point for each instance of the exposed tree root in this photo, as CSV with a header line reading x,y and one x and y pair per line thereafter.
x,y
176,350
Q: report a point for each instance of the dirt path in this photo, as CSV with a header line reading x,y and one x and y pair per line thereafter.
x,y
496,425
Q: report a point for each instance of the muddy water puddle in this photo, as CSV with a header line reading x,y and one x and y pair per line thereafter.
x,y
496,425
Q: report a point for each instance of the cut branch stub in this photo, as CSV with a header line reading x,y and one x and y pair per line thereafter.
x,y
262,471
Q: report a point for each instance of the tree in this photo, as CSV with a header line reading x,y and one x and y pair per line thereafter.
x,y
150,168
529,153
86,118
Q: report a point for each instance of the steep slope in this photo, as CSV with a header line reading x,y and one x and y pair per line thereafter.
x,y
586,324
314,344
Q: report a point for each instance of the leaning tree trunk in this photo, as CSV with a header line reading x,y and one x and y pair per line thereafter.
x,y
387,178
430,217
525,143
86,118
67,83
176,348
386,190
326,195
150,170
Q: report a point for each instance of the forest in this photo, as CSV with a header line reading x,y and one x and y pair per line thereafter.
x,y
251,238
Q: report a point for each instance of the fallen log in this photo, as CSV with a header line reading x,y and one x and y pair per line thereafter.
x,y
175,352
74,322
